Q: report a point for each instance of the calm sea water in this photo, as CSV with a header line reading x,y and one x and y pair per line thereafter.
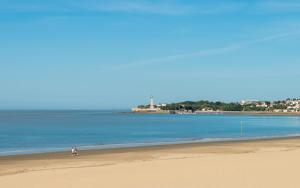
x,y
43,131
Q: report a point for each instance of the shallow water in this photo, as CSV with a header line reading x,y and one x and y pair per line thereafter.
x,y
43,131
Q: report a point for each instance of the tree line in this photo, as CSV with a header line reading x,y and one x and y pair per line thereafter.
x,y
218,106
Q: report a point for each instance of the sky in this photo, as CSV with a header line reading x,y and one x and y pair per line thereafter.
x,y
95,54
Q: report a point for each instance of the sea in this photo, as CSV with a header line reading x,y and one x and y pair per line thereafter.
x,y
25,132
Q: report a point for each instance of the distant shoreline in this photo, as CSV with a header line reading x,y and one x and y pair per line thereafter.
x,y
257,113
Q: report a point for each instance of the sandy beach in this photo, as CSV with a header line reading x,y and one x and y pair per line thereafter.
x,y
261,163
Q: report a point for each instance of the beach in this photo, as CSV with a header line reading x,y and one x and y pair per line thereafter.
x,y
257,163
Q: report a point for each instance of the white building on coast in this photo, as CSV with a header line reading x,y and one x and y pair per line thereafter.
x,y
152,107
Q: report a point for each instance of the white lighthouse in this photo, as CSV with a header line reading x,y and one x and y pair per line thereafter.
x,y
151,108
151,103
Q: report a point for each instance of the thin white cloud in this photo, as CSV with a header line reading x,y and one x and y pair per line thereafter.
x,y
203,53
268,38
130,6
278,6
164,7
136,7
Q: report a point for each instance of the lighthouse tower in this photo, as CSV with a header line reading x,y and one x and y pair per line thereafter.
x,y
151,103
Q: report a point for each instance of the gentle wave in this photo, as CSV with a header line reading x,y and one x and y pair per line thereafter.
x,y
135,145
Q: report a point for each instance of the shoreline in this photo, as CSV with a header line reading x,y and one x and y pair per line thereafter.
x,y
261,113
254,113
130,146
8,161
251,163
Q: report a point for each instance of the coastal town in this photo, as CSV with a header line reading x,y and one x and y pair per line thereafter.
x,y
191,107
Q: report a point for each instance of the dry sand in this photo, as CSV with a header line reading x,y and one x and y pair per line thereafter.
x,y
244,164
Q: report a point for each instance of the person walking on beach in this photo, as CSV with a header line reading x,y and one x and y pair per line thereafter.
x,y
74,151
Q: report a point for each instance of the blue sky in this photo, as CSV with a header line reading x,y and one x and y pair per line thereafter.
x,y
89,54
